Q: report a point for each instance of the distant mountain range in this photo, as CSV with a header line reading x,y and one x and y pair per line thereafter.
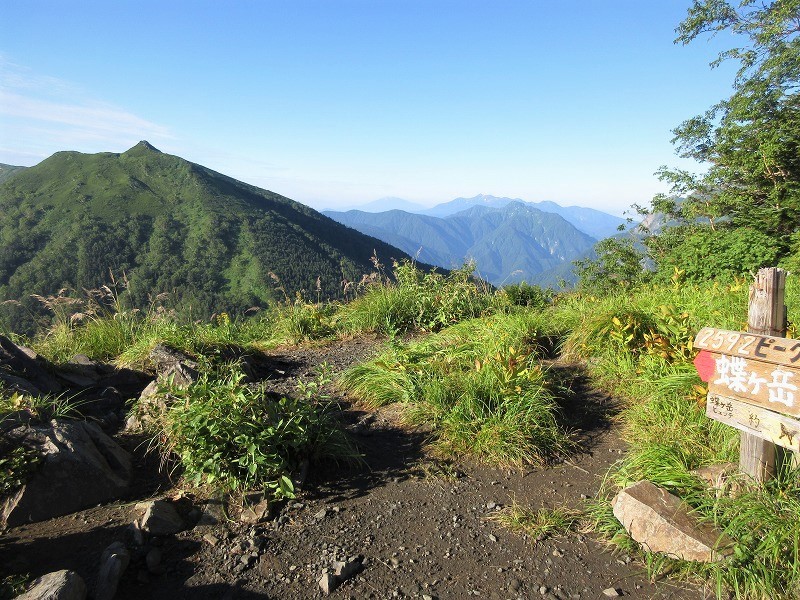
x,y
595,223
509,240
169,225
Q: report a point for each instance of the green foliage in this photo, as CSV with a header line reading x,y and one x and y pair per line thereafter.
x,y
417,300
478,384
12,586
538,524
664,333
701,253
16,465
669,435
748,142
239,436
523,294
299,321
618,265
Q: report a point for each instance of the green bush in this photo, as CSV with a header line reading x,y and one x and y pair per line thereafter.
x,y
523,294
239,436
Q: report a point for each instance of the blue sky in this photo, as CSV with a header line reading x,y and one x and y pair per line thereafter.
x,y
339,102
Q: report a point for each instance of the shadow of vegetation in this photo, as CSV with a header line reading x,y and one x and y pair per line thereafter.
x,y
390,453
585,411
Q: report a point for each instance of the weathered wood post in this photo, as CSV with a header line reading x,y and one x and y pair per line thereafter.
x,y
766,315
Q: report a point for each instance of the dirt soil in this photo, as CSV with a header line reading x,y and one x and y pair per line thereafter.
x,y
421,526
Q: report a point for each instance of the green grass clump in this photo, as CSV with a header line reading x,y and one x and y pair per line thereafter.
x,y
538,524
238,436
478,384
417,300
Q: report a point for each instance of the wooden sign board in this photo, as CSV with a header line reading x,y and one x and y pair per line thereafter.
x,y
762,348
778,429
756,369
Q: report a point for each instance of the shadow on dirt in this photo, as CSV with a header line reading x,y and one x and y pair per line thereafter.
x,y
389,453
586,412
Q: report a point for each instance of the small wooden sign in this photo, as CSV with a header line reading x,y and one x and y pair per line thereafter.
x,y
775,387
757,369
762,348
778,429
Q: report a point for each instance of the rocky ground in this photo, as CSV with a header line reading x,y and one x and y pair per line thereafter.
x,y
412,526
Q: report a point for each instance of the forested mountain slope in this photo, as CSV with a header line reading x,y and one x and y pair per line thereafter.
x,y
169,225
512,243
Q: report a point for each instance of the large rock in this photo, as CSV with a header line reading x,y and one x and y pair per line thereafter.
x,y
23,371
82,467
61,585
660,522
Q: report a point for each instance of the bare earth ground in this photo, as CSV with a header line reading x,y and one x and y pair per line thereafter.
x,y
421,525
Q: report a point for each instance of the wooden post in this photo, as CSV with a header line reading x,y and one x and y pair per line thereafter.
x,y
766,315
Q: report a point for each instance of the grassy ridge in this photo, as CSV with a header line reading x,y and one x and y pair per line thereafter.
x,y
641,352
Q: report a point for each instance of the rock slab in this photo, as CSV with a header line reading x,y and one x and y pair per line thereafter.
x,y
82,467
61,585
661,522
160,518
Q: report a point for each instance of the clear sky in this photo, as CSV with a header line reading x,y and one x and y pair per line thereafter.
x,y
339,102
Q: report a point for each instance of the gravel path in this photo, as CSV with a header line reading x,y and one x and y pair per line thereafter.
x,y
417,527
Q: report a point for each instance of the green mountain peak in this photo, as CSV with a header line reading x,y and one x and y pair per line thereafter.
x,y
169,225
142,147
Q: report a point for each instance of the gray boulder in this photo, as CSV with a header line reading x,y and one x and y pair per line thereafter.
x,y
661,522
82,467
61,585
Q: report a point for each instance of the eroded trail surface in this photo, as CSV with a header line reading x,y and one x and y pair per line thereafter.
x,y
421,526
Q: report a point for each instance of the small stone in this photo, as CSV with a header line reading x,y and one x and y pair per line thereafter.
x,y
543,589
612,592
321,514
328,582
514,585
491,505
493,537
111,570
344,570
211,539
161,518
255,513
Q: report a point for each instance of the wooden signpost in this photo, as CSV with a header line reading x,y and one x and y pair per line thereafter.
x,y
754,377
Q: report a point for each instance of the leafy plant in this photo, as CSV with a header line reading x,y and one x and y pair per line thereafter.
x,y
239,436
16,465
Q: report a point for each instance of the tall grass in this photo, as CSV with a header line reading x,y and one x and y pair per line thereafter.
x,y
479,385
417,300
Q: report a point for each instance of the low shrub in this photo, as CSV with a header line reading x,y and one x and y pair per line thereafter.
x,y
239,436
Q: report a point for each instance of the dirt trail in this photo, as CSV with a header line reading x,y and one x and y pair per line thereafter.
x,y
421,526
